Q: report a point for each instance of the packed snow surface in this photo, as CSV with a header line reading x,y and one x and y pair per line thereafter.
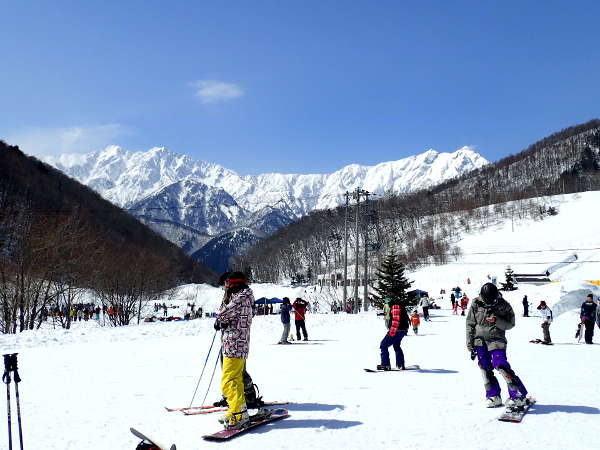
x,y
83,388
87,390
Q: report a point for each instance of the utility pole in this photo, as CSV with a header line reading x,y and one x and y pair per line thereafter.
x,y
366,221
356,256
345,298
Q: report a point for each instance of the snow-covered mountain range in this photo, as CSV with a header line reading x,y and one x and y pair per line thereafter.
x,y
191,202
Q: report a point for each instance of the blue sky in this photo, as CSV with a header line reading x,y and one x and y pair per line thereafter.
x,y
296,86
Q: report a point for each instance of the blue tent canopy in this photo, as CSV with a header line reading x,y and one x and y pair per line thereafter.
x,y
267,301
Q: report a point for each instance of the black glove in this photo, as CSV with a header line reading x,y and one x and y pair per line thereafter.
x,y
473,354
220,326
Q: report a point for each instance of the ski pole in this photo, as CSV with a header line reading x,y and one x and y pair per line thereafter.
x,y
6,380
15,369
204,367
213,375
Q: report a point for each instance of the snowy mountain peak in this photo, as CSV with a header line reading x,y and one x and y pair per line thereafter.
x,y
188,199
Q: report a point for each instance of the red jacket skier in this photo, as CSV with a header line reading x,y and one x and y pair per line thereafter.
x,y
299,316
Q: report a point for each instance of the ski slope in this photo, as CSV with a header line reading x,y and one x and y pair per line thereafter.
x,y
87,394
84,388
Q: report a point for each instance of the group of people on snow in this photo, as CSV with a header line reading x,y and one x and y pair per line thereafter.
x,y
489,317
299,308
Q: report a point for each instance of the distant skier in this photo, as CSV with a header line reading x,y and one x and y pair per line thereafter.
x,y
546,321
235,319
452,300
397,329
415,321
525,306
588,317
300,307
464,303
425,303
284,313
455,308
487,321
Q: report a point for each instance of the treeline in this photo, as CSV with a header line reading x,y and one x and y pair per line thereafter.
x,y
59,239
423,225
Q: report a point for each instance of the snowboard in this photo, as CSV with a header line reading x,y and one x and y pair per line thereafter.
x,y
539,341
149,442
393,369
516,416
580,332
224,435
208,410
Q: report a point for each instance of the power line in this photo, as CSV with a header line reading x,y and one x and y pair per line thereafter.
x,y
427,263
532,251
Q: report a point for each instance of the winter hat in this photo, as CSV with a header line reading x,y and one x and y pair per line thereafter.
x,y
542,304
591,296
223,277
489,292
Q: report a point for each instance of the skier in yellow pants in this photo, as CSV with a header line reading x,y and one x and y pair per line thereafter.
x,y
232,386
235,319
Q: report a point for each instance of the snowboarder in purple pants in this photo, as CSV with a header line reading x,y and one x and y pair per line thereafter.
x,y
487,321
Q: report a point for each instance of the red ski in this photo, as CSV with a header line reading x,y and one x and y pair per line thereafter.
x,y
207,409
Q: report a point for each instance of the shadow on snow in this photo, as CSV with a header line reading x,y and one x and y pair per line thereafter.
x,y
330,424
312,407
549,409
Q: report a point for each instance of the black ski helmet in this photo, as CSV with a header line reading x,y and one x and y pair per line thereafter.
x,y
489,292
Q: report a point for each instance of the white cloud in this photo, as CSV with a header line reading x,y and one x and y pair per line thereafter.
x,y
47,141
213,91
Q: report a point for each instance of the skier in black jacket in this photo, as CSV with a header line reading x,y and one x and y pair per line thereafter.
x,y
588,317
525,306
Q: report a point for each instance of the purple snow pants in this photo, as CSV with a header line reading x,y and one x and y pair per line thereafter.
x,y
496,359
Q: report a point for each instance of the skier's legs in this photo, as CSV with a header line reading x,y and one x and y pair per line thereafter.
x,y
589,331
397,349
298,329
303,327
546,329
490,382
515,385
232,384
286,332
385,354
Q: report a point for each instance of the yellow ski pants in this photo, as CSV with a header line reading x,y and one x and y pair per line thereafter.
x,y
232,384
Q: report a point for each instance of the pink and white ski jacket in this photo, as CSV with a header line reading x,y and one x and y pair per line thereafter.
x,y
237,314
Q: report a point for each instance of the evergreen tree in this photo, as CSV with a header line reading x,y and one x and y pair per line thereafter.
x,y
391,281
509,285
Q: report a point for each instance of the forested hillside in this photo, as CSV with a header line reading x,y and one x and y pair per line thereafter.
x,y
58,237
423,225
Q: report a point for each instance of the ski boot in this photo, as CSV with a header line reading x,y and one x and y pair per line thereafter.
x,y
493,402
516,404
253,399
237,421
